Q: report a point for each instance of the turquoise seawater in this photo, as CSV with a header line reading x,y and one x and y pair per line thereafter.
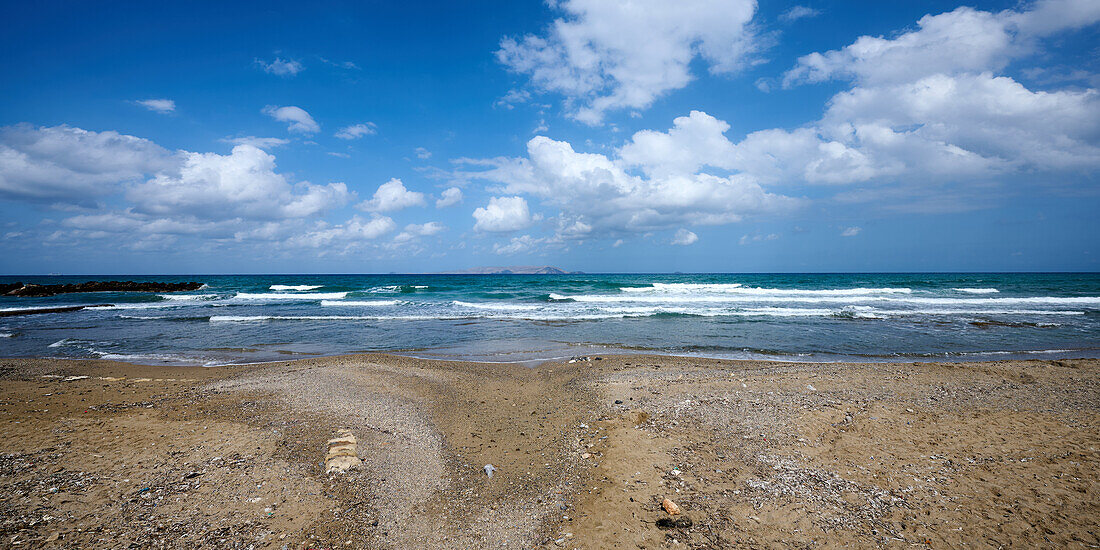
x,y
812,317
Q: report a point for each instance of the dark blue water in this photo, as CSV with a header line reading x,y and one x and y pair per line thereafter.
x,y
813,317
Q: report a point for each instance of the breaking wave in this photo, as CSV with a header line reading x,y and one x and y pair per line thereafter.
x,y
278,296
353,303
294,287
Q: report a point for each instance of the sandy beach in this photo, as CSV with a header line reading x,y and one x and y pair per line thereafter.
x,y
96,454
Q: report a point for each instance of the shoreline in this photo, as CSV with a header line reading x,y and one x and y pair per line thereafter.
x,y
609,350
756,453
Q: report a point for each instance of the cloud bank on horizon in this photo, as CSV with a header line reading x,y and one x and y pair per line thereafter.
x,y
697,135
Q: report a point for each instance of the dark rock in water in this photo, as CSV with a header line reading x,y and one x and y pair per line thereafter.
x,y
1014,324
37,311
30,289
13,313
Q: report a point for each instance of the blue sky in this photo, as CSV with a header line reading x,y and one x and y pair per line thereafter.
x,y
651,136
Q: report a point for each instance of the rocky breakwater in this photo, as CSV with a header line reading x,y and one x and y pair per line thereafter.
x,y
33,290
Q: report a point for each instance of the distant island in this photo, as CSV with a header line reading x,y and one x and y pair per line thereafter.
x,y
512,270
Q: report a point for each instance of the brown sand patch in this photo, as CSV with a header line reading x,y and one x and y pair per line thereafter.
x,y
754,454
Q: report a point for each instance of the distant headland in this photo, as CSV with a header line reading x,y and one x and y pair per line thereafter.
x,y
511,270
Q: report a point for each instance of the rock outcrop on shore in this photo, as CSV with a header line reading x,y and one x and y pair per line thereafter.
x,y
33,290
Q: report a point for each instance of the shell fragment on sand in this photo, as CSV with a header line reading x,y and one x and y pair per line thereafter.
x,y
670,507
342,453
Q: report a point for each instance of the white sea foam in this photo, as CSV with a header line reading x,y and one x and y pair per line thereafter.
x,y
497,306
737,288
353,303
383,289
682,287
977,290
146,357
902,300
59,343
305,296
261,318
294,287
189,297
143,305
985,312
6,335
544,313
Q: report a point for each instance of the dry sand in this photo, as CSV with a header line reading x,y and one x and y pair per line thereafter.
x,y
95,454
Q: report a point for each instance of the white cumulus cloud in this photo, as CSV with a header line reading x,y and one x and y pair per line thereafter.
x,y
677,185
242,184
450,197
158,105
963,40
414,230
613,55
72,165
503,214
927,108
683,237
517,245
343,237
281,67
798,12
259,142
299,119
356,131
391,196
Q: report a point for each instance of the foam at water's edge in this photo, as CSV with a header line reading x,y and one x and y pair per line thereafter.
x,y
977,290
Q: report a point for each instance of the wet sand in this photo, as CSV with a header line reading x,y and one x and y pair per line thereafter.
x,y
95,454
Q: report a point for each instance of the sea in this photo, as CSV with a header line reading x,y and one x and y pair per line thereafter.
x,y
237,319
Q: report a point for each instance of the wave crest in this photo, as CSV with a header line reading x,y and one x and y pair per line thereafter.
x,y
294,287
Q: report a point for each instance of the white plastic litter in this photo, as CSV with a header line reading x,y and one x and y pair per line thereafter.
x,y
489,469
